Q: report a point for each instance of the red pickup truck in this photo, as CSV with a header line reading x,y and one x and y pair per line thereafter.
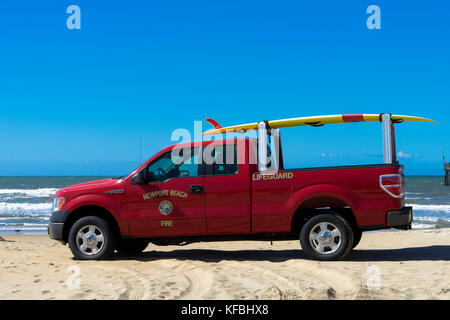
x,y
176,200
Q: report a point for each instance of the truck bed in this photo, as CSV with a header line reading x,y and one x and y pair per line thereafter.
x,y
275,199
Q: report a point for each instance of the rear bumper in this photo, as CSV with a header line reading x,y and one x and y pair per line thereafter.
x,y
400,219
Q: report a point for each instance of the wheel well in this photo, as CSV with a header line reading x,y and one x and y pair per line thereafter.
x,y
89,211
320,204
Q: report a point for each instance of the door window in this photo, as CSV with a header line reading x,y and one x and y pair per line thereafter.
x,y
179,163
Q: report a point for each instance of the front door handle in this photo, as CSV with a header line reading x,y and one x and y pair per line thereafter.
x,y
195,188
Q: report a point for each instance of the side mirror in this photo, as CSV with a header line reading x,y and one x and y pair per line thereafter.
x,y
139,178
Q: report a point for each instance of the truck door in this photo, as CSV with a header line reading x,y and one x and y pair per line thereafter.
x,y
227,191
173,202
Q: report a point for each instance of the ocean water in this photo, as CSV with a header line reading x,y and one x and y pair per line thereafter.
x,y
430,200
25,202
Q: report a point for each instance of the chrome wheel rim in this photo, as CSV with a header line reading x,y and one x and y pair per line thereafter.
x,y
325,238
90,240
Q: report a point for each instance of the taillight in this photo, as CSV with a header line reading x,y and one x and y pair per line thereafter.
x,y
392,184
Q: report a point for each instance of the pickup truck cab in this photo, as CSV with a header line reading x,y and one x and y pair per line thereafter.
x,y
215,191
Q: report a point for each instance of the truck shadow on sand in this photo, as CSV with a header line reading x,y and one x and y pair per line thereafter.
x,y
431,253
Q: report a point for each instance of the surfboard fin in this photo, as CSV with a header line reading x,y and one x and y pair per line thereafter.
x,y
214,123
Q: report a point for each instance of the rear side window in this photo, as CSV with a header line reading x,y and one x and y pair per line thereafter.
x,y
225,160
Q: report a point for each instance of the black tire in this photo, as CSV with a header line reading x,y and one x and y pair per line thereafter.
x,y
132,246
105,247
344,240
357,235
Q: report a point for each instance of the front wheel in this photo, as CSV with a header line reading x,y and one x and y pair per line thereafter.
x,y
326,236
91,238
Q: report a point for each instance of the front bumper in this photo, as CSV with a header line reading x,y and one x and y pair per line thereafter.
x,y
55,228
400,219
55,231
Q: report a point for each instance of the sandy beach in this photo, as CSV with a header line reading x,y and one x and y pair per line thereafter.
x,y
412,264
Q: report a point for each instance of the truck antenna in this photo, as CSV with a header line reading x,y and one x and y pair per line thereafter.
x,y
140,149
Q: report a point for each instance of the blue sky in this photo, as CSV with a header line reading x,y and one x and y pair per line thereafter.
x,y
75,102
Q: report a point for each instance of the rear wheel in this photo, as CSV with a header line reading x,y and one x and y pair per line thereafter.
x,y
327,236
132,246
91,238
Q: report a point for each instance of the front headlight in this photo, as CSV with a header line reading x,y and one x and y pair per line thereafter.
x,y
58,203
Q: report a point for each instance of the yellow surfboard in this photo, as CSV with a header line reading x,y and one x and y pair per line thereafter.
x,y
311,121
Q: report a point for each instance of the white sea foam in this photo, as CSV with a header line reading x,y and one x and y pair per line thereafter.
x,y
7,207
423,226
441,208
431,219
414,198
39,193
10,218
24,225
44,228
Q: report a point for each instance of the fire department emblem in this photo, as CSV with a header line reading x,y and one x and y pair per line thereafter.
x,y
165,207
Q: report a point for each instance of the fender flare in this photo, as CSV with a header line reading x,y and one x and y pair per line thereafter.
x,y
98,201
322,190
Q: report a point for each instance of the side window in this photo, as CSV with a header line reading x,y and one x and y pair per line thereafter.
x,y
225,159
178,164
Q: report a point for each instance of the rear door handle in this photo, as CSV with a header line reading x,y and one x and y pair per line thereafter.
x,y
195,188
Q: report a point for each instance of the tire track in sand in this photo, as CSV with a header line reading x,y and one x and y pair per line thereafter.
x,y
200,277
